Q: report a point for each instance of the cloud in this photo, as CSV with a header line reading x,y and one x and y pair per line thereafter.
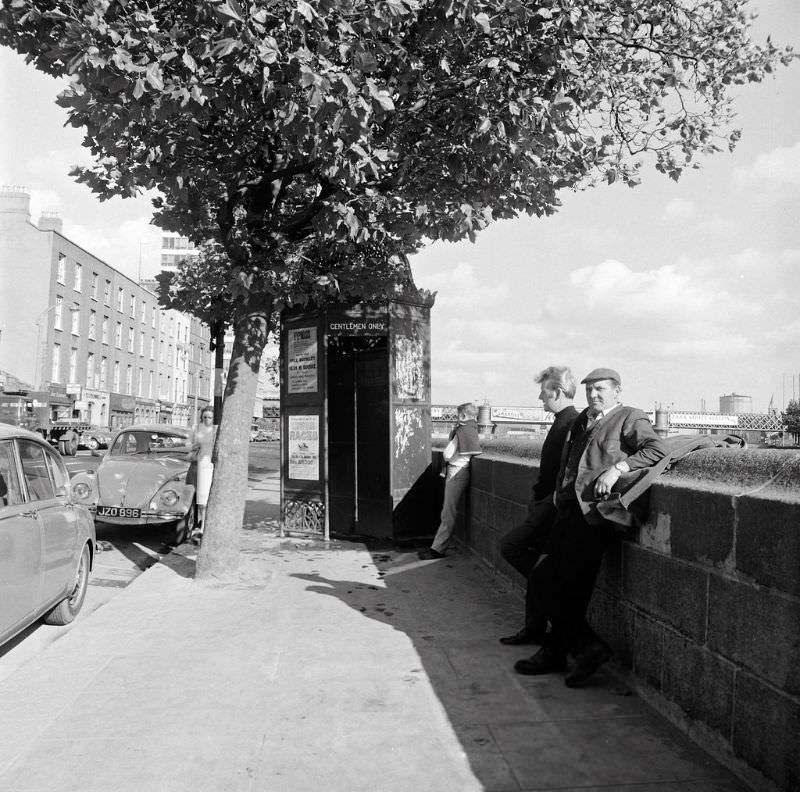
x,y
613,287
679,209
134,246
57,162
781,166
44,200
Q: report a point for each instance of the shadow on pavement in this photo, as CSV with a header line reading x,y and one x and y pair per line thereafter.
x,y
518,732
143,546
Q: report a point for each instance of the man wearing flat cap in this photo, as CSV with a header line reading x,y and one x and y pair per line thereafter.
x,y
606,440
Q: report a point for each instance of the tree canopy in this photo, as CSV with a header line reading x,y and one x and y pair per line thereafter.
x,y
286,127
791,419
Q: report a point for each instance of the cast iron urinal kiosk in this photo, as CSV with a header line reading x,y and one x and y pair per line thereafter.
x,y
356,419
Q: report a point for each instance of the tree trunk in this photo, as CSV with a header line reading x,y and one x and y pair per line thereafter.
x,y
219,551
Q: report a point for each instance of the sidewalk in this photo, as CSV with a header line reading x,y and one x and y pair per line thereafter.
x,y
328,668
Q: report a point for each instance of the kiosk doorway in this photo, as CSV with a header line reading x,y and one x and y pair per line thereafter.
x,y
358,443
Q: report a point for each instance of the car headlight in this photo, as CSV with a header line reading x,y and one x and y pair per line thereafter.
x,y
169,497
81,490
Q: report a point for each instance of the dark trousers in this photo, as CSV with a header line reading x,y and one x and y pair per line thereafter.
x,y
521,547
563,581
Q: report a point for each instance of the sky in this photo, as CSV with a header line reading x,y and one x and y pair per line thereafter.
x,y
689,289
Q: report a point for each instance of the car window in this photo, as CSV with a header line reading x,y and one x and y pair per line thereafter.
x,y
124,444
158,440
58,472
34,469
10,490
129,443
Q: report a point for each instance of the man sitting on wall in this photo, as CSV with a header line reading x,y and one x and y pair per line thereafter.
x,y
606,440
522,545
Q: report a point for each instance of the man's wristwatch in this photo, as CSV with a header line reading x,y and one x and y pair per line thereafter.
x,y
618,468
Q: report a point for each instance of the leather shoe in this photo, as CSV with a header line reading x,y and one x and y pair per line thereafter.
x,y
524,636
429,553
587,662
543,662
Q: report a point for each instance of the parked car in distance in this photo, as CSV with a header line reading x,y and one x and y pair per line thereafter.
x,y
95,437
264,435
47,540
142,480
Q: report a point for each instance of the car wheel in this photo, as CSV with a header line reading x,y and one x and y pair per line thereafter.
x,y
92,444
185,526
70,606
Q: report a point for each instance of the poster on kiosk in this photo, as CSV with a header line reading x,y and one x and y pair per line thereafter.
x,y
355,418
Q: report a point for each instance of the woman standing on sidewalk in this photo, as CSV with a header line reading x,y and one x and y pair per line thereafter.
x,y
203,441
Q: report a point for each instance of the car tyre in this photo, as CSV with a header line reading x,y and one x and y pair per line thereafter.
x,y
184,528
70,606
92,444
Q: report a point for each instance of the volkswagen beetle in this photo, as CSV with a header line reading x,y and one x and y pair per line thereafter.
x,y
142,480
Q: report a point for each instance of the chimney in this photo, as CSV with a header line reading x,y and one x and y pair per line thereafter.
x,y
15,200
50,221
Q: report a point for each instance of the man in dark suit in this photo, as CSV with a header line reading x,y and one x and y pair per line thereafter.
x,y
522,545
606,440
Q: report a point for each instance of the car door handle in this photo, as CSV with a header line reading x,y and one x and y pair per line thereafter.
x,y
31,514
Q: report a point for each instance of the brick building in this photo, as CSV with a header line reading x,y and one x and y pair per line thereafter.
x,y
91,341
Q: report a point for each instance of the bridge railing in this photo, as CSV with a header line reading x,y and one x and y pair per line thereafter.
x,y
444,416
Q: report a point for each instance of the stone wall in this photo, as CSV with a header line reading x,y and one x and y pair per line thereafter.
x,y
701,603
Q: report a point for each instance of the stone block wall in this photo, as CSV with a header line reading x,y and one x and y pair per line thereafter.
x,y
701,603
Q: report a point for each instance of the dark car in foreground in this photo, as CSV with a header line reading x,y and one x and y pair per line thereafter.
x,y
47,541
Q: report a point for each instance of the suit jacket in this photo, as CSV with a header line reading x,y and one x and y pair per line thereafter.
x,y
629,502
624,434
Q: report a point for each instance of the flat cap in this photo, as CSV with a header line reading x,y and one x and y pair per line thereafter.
x,y
602,374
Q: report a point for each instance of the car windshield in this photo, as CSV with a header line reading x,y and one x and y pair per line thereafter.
x,y
138,442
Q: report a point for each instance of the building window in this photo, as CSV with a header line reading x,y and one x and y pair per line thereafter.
x,y
150,386
129,381
120,299
141,344
153,318
130,339
76,321
103,373
77,279
94,285
55,373
62,266
140,384
73,365
59,313
90,369
144,312
116,377
133,306
107,293
152,348
92,324
118,336
160,351
105,329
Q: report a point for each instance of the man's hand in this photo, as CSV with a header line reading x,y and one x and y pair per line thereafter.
x,y
605,482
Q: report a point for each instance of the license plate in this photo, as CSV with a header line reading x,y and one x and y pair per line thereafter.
x,y
118,511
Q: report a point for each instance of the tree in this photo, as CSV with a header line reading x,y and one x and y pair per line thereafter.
x,y
317,142
791,419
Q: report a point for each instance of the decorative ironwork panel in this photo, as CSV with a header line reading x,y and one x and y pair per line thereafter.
x,y
304,517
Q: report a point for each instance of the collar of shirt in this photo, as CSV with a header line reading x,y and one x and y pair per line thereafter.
x,y
591,419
